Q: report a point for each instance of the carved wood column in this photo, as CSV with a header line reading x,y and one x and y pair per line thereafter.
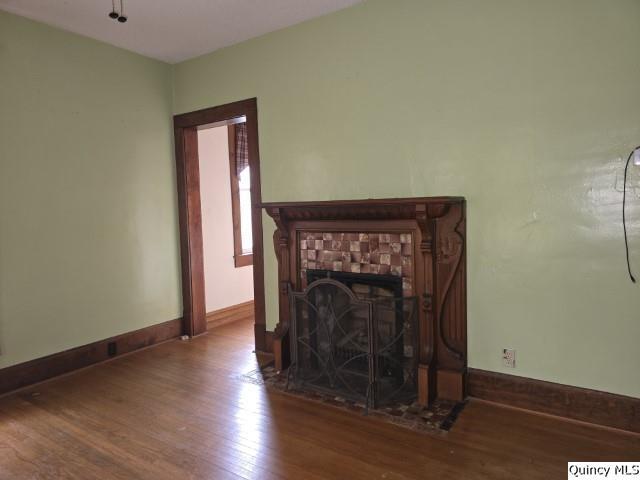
x,y
281,246
451,303
426,370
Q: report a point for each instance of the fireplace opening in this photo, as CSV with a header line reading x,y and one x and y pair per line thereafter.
x,y
355,336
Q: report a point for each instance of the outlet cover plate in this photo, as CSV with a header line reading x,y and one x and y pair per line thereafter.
x,y
509,357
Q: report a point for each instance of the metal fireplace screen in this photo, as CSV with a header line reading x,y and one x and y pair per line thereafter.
x,y
364,349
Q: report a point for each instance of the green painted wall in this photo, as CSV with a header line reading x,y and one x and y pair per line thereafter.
x,y
88,223
524,107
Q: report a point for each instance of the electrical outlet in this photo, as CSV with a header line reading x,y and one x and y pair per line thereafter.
x,y
509,357
112,349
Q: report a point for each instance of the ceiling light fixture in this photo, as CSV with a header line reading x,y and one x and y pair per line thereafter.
x,y
114,15
121,17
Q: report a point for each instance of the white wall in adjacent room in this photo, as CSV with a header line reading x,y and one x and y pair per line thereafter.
x,y
225,285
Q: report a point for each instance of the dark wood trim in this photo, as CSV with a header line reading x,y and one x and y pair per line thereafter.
x,y
185,126
190,221
222,316
601,408
44,368
437,225
268,337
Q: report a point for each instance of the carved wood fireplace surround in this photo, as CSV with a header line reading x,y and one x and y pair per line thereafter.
x,y
420,239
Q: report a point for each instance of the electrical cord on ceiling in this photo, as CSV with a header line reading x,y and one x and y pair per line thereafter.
x,y
624,219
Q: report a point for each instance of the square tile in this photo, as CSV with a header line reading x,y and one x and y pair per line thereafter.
x,y
303,244
363,237
355,257
396,260
385,259
355,268
354,246
396,270
319,244
365,268
327,236
407,249
311,254
385,247
337,266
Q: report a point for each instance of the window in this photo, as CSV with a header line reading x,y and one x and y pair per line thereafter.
x,y
240,174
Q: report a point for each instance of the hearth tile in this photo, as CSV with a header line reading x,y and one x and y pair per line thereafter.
x,y
365,268
355,257
405,238
385,259
407,249
303,244
396,270
304,262
336,244
319,244
346,266
406,260
312,265
374,257
385,247
375,268
384,269
355,268
394,237
303,254
327,236
364,246
365,257
345,245
327,265
346,256
327,244
321,256
337,266
396,260
352,237
395,247
406,284
374,243
311,254
363,237
384,238
354,246
407,270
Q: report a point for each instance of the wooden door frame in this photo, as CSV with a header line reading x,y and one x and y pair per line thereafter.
x,y
188,183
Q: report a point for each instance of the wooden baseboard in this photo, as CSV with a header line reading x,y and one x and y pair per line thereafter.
x,y
601,408
44,368
230,314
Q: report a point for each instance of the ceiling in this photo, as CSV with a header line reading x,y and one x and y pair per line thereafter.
x,y
174,30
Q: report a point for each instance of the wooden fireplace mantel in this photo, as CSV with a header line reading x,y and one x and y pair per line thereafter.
x,y
439,273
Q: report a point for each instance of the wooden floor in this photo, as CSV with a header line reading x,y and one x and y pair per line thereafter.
x,y
179,411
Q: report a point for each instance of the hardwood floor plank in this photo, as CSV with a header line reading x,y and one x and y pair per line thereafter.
x,y
183,410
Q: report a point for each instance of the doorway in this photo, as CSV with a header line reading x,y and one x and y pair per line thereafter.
x,y
186,128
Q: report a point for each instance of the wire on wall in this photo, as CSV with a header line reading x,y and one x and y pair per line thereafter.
x,y
624,217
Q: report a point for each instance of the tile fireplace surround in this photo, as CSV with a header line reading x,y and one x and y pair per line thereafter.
x,y
421,240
